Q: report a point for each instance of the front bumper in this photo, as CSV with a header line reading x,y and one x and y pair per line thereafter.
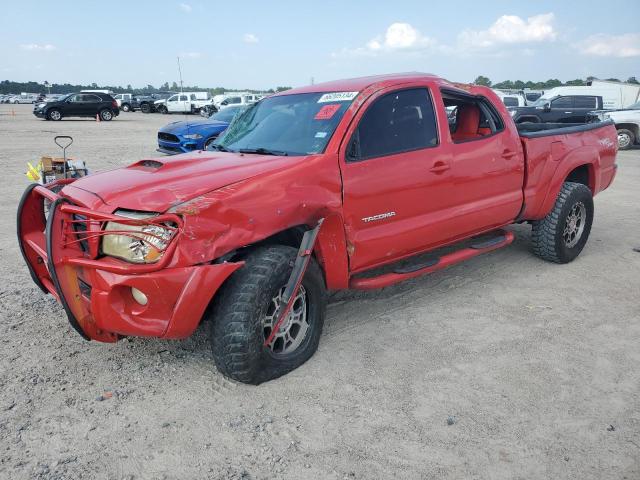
x,y
96,292
181,146
39,113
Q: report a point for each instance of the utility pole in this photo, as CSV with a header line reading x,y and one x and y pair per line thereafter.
x,y
180,72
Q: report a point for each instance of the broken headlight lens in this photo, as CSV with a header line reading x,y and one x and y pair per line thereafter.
x,y
145,243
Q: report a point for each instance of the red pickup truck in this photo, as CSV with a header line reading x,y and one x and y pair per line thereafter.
x,y
359,184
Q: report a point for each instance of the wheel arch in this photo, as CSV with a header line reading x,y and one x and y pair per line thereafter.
x,y
330,250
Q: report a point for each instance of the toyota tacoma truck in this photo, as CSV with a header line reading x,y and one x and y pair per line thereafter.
x,y
354,184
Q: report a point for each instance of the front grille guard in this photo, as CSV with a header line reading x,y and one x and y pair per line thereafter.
x,y
92,230
57,246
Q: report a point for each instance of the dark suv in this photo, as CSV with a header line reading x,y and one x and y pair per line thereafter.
x,y
560,109
79,105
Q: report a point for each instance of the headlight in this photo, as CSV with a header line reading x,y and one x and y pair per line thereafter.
x,y
145,244
192,136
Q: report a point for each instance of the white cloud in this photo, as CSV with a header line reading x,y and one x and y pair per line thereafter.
x,y
602,45
511,29
36,47
191,55
185,7
398,37
250,38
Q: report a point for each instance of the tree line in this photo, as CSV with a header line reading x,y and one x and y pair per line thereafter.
x,y
8,86
551,83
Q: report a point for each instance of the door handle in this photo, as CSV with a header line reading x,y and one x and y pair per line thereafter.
x,y
439,167
508,154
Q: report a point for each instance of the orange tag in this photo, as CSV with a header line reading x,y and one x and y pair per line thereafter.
x,y
327,111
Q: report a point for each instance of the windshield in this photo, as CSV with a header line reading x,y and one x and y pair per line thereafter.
x,y
226,115
298,124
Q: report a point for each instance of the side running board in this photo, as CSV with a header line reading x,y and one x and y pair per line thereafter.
x,y
478,246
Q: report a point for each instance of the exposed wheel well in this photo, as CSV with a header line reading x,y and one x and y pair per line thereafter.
x,y
290,237
581,174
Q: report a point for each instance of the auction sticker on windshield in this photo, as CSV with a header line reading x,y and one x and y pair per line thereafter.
x,y
337,97
327,111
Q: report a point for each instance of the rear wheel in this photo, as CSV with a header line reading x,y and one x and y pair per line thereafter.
x,y
145,108
126,107
563,233
54,114
244,313
626,139
106,115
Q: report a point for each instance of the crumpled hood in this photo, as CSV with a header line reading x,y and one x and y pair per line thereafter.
x,y
157,184
186,126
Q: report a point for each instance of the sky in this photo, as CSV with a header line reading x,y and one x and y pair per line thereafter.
x,y
262,45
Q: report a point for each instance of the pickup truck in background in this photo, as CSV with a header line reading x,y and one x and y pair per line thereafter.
x,y
359,184
125,101
186,102
627,122
561,109
146,103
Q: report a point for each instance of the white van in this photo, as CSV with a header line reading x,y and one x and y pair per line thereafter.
x,y
511,99
614,95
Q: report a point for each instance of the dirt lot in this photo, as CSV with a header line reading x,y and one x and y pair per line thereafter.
x,y
503,367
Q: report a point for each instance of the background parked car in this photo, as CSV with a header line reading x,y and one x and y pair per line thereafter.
x,y
185,102
558,109
78,105
627,123
182,137
125,101
146,103
24,98
240,100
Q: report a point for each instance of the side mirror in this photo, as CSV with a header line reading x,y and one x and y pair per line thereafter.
x,y
547,107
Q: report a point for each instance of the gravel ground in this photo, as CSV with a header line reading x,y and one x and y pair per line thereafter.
x,y
502,367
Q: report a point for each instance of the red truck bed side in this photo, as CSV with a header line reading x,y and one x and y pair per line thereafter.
x,y
584,153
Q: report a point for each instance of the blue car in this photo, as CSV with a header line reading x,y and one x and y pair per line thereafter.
x,y
183,137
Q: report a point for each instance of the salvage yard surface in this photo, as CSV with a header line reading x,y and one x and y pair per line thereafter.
x,y
502,367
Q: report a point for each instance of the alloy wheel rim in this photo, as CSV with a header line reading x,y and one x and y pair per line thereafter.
x,y
294,328
574,225
106,116
55,115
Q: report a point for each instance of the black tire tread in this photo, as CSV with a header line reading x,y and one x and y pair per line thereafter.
x,y
543,232
236,325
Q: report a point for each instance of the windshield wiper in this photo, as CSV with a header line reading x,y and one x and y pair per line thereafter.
x,y
215,146
263,151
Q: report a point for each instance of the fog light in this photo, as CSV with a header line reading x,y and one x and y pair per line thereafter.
x,y
138,296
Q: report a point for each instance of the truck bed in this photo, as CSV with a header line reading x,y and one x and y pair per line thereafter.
x,y
556,151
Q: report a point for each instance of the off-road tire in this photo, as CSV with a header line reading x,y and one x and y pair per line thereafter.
x,y
126,107
106,115
547,234
54,114
239,309
631,137
162,109
145,108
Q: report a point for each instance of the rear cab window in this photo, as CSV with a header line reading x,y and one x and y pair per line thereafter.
x,y
471,118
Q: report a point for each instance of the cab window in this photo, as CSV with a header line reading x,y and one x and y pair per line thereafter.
x,y
562,102
470,117
397,122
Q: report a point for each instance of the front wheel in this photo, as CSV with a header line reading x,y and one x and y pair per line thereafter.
x,y
145,108
563,233
54,114
243,316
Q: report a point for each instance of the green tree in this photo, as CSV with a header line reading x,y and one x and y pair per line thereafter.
x,y
482,80
632,80
578,82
